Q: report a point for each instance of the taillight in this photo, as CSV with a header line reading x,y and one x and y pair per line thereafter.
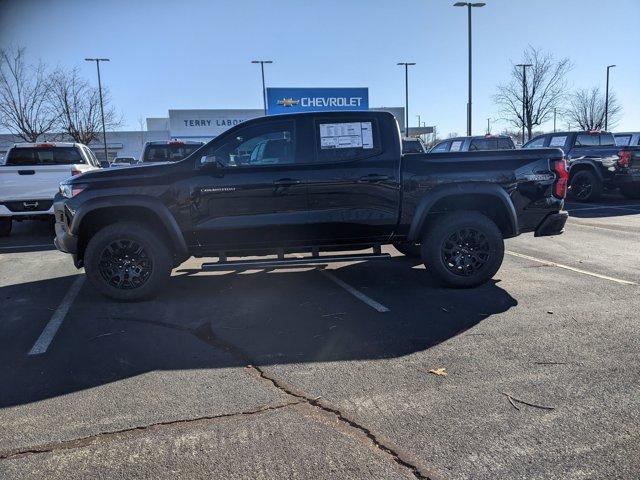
x,y
562,178
75,172
624,158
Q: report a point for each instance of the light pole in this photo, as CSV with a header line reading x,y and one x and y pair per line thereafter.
x,y
488,126
606,100
406,96
524,92
264,90
104,132
469,5
554,119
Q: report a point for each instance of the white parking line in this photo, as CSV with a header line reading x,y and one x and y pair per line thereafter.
x,y
604,207
567,267
356,293
50,330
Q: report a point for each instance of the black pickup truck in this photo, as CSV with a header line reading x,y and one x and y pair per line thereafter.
x,y
595,163
307,183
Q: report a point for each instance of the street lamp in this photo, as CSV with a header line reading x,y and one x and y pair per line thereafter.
x,y
104,133
524,91
264,90
406,95
469,5
606,101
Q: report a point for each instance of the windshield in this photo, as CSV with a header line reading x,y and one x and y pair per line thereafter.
x,y
26,156
169,152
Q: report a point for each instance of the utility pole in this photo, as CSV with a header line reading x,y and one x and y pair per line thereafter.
x,y
524,93
554,119
406,95
104,132
488,126
264,90
469,6
606,101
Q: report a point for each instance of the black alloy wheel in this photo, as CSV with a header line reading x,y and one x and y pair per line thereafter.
x,y
466,252
125,264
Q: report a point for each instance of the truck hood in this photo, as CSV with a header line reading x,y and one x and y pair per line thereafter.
x,y
102,174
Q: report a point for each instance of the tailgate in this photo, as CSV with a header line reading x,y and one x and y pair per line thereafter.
x,y
38,182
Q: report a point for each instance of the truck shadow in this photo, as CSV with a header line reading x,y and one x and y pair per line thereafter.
x,y
237,318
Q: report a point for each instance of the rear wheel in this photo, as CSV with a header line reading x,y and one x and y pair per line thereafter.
x,y
408,249
127,261
5,226
463,249
585,186
631,191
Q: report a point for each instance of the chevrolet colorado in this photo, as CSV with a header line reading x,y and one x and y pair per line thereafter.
x,y
307,183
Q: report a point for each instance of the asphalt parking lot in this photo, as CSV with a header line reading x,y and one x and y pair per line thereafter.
x,y
325,373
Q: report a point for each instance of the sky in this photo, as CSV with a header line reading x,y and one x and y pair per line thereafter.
x,y
196,54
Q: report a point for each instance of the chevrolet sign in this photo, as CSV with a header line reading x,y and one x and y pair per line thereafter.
x,y
293,100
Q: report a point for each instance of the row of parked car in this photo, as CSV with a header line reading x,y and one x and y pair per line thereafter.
x,y
598,161
31,172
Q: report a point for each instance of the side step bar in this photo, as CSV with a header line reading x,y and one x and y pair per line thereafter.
x,y
285,262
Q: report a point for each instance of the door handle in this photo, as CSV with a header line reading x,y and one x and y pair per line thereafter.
x,y
287,182
374,178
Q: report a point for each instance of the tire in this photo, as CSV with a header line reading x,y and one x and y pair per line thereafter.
x,y
631,191
5,226
127,261
408,249
481,254
585,186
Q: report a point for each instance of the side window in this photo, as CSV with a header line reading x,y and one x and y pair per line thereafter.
x,y
456,145
535,143
441,147
623,140
346,140
586,140
483,144
558,141
607,140
505,144
271,143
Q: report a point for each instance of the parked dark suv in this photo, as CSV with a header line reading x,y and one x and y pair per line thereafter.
x,y
474,144
168,151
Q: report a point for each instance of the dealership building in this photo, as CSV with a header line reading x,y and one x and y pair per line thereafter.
x,y
206,124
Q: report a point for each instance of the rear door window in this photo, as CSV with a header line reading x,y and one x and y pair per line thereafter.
x,y
32,156
483,144
505,144
456,146
346,140
587,140
623,140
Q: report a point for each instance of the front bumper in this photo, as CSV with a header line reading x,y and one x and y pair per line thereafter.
x,y
553,224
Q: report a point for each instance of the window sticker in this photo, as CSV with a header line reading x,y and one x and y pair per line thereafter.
x,y
455,146
346,135
558,141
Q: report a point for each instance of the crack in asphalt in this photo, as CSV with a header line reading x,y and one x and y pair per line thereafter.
x,y
127,433
205,333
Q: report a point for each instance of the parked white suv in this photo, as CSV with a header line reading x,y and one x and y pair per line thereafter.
x,y
30,177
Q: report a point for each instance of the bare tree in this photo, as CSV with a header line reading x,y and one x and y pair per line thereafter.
x,y
545,90
587,109
77,104
25,108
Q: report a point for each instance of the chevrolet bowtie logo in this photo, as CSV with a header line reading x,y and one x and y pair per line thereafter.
x,y
288,102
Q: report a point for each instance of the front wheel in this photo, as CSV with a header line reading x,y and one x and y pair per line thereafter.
x,y
5,226
463,249
585,186
127,261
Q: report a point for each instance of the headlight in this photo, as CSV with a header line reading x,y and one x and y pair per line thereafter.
x,y
69,190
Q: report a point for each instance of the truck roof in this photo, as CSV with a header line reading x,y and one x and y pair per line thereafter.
x,y
45,144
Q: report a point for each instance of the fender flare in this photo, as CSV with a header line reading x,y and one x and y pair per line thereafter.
x,y
156,206
468,188
590,164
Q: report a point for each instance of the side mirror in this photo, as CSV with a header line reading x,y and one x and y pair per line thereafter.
x,y
210,161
